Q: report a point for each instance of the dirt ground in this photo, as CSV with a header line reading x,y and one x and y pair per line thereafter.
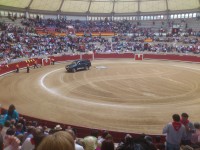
x,y
120,94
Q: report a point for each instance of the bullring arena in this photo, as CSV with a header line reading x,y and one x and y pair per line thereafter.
x,y
115,94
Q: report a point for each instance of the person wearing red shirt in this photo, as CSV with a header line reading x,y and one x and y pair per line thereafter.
x,y
17,68
35,64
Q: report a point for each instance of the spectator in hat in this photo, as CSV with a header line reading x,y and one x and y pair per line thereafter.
x,y
57,128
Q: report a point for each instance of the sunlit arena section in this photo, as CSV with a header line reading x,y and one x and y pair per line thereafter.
x,y
125,96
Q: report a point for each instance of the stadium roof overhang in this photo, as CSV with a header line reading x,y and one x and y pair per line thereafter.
x,y
101,7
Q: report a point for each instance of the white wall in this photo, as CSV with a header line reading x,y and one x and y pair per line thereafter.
x,y
50,16
76,17
67,17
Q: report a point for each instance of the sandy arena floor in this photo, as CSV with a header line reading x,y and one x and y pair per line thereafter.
x,y
121,95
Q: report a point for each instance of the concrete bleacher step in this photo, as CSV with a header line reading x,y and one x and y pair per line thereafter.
x,y
9,21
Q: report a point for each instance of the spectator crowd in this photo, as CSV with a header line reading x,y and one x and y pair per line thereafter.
x,y
19,134
24,41
17,42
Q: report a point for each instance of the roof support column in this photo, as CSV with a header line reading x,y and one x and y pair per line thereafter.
x,y
167,9
59,10
88,11
199,7
138,12
28,7
113,9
